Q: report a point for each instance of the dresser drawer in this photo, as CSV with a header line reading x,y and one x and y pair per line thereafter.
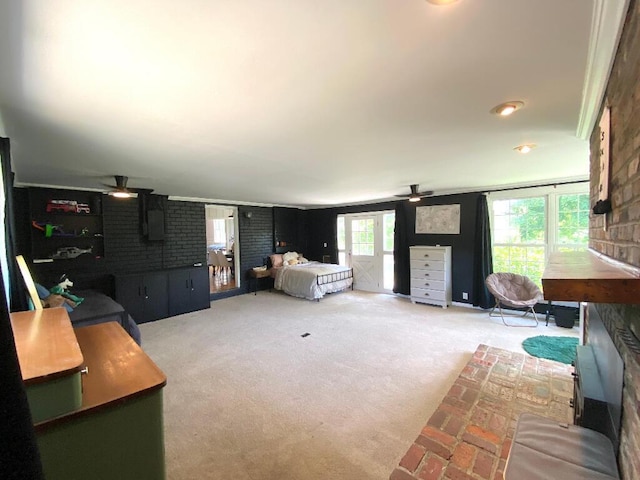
x,y
427,284
427,265
428,274
427,254
419,294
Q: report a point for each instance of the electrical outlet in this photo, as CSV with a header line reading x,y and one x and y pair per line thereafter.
x,y
325,244
465,296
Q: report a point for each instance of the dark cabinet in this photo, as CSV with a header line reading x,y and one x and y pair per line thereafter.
x,y
144,296
65,225
154,295
188,290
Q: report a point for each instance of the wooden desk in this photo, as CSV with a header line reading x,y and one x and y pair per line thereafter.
x,y
115,429
117,371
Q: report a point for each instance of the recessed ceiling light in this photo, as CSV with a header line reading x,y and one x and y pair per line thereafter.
x,y
441,2
507,108
525,148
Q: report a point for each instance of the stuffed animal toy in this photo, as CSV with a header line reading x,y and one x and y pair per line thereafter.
x,y
62,289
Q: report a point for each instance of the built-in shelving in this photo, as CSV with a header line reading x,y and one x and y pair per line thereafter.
x,y
589,276
65,225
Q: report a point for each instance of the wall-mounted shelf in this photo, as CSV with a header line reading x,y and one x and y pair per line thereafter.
x,y
64,220
589,276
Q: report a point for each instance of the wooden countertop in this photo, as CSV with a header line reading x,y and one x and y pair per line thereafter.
x,y
589,276
118,370
46,344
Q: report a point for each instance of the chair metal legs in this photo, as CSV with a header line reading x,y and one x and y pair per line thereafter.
x,y
535,318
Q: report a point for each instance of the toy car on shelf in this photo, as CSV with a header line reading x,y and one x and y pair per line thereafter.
x,y
83,208
70,252
66,206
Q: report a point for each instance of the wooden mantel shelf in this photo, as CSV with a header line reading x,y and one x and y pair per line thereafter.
x,y
589,276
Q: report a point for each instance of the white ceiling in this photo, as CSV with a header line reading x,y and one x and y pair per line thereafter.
x,y
298,102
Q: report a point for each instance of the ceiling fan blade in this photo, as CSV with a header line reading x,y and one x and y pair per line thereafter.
x,y
141,190
426,193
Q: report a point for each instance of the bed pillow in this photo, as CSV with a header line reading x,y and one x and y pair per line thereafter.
x,y
276,260
289,256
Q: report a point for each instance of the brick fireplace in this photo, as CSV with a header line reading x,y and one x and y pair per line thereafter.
x,y
621,239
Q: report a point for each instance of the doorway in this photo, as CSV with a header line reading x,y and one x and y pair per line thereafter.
x,y
365,243
223,247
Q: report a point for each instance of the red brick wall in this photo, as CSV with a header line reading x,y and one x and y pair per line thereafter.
x,y
621,240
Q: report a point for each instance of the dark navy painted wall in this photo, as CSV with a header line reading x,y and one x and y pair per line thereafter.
x,y
305,231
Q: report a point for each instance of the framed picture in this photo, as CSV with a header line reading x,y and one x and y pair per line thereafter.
x,y
438,219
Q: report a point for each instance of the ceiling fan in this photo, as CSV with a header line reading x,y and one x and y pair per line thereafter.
x,y
120,189
416,196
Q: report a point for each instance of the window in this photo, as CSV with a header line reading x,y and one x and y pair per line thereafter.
x,y
362,237
573,221
342,256
527,225
219,232
388,229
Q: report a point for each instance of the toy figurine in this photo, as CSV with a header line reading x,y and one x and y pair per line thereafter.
x,y
62,289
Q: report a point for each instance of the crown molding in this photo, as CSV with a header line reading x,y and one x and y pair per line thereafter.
x,y
606,28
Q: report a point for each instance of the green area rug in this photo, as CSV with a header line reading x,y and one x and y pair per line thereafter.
x,y
560,349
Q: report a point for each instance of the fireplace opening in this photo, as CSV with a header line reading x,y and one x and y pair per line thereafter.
x,y
599,372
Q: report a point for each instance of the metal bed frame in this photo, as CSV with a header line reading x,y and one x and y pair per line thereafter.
x,y
327,278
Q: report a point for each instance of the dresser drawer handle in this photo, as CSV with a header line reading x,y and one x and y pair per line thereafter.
x,y
426,255
426,264
427,284
426,294
426,274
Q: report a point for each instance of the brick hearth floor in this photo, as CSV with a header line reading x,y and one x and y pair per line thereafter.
x,y
469,435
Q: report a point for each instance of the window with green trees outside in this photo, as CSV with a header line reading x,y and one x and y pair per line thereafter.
x,y
525,229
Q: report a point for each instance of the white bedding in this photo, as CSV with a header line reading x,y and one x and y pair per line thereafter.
x,y
300,280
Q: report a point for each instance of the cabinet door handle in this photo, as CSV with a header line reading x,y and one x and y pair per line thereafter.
x,y
145,292
186,283
192,284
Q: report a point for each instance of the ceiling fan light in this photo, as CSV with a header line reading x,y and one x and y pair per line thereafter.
x,y
507,108
120,194
414,198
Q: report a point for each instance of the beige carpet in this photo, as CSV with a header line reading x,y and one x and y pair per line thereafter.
x,y
248,397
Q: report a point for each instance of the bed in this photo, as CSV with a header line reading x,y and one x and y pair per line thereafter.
x,y
310,280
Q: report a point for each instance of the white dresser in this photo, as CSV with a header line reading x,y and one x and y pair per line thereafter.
x,y
431,275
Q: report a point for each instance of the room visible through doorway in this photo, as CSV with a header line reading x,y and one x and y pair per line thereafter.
x,y
223,248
